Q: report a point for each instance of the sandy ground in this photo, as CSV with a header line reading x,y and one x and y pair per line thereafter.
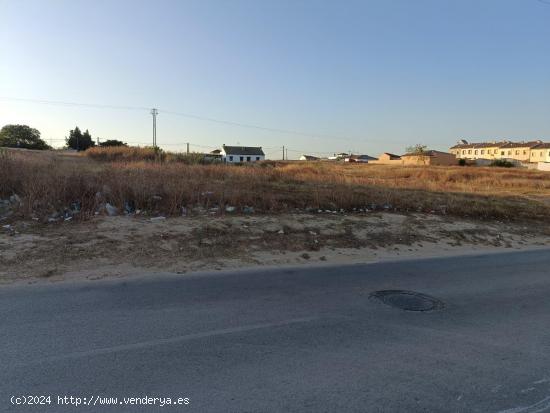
x,y
31,252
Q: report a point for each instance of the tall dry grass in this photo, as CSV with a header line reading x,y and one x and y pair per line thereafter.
x,y
138,154
482,180
48,184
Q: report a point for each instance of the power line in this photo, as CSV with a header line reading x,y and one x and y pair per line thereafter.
x,y
63,103
252,126
197,117
181,114
315,152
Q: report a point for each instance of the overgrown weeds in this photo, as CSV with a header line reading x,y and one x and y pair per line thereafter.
x,y
146,154
48,184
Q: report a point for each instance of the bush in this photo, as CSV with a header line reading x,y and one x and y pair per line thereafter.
x,y
502,163
112,142
462,162
125,154
148,154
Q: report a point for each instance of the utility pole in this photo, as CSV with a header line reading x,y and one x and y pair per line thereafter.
x,y
154,112
287,154
283,153
187,148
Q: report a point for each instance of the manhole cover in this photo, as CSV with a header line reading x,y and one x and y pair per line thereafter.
x,y
408,300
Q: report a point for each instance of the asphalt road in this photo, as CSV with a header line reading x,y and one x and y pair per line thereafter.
x,y
288,340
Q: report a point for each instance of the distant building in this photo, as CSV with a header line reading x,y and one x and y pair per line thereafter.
x,y
520,151
473,151
360,158
388,159
506,150
429,157
338,156
540,153
309,158
238,154
215,155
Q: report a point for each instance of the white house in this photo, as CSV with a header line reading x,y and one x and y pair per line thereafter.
x,y
309,158
359,158
237,154
338,156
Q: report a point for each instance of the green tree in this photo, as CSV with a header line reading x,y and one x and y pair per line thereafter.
x,y
113,142
78,140
417,149
21,136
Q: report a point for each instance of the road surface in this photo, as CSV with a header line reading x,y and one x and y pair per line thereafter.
x,y
286,340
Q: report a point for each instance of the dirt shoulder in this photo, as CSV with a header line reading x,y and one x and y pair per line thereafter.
x,y
31,252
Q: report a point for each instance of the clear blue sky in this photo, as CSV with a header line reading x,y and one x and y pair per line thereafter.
x,y
378,74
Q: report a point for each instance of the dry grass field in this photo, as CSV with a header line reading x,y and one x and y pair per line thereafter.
x,y
281,213
49,182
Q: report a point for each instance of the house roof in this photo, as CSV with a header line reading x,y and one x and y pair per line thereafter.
x,y
430,152
243,150
490,144
474,145
367,157
310,157
502,144
391,155
521,144
544,145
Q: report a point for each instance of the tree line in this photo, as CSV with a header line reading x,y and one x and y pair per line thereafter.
x,y
25,137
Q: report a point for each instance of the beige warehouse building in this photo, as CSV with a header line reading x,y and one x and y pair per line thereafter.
x,y
429,157
519,151
388,159
525,152
482,150
540,153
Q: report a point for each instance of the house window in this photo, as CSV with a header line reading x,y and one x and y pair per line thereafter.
x,y
475,152
525,152
242,158
517,152
541,153
502,152
257,158
469,151
248,159
482,152
230,159
509,152
463,151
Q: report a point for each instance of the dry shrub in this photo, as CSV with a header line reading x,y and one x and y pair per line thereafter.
x,y
124,154
138,154
50,184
